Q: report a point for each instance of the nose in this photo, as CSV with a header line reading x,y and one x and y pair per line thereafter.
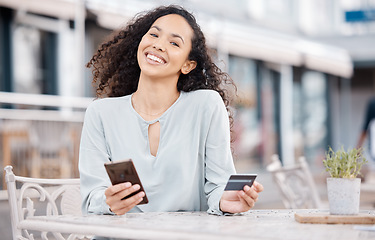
x,y
159,46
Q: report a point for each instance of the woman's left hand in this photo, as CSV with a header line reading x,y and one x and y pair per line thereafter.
x,y
240,201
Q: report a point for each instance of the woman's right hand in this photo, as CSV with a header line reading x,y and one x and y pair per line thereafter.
x,y
115,193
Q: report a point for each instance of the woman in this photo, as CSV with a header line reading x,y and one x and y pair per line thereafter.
x,y
167,111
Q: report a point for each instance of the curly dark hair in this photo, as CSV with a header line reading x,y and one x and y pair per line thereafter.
x,y
116,71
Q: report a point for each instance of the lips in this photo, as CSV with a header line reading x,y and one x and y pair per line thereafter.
x,y
153,58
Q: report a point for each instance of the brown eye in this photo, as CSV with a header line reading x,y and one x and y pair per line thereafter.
x,y
174,44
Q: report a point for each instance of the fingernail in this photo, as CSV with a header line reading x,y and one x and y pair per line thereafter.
x,y
246,188
141,194
127,184
136,187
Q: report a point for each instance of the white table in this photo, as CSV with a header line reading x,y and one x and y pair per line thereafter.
x,y
255,224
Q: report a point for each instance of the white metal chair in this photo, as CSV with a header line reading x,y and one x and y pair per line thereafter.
x,y
41,197
51,144
296,184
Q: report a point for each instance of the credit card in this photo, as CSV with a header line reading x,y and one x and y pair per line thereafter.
x,y
239,181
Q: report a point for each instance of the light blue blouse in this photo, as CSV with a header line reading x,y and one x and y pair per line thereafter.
x,y
191,167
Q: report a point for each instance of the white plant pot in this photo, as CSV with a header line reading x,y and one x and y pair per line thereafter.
x,y
343,195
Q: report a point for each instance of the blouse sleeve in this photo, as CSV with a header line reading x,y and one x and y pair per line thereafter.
x,y
218,157
92,156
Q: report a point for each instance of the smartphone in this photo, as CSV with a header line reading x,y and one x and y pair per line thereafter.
x,y
237,182
124,171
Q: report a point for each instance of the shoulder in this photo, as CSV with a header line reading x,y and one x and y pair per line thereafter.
x,y
204,95
104,105
110,101
204,101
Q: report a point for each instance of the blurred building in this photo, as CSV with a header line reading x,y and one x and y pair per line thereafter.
x,y
304,69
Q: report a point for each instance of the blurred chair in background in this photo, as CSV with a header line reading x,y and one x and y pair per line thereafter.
x,y
15,146
16,143
296,184
52,149
40,133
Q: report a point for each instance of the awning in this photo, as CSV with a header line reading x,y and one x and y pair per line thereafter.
x,y
64,9
248,41
233,37
360,47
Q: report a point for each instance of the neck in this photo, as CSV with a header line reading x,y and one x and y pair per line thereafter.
x,y
153,98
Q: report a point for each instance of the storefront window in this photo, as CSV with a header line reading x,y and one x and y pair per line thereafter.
x,y
246,128
26,60
34,61
314,115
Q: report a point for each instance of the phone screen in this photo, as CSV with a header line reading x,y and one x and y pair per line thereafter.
x,y
124,171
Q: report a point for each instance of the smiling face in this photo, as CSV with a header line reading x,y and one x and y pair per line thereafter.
x,y
163,51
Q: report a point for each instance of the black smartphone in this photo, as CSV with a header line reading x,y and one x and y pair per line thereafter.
x,y
124,171
237,182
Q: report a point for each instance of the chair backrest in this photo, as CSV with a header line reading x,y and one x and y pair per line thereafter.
x,y
296,184
44,197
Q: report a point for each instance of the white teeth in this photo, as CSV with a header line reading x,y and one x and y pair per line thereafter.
x,y
154,58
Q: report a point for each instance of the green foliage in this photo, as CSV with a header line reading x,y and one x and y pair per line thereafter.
x,y
344,164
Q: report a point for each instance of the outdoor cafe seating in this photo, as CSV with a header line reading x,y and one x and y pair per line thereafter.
x,y
43,197
45,208
50,209
295,184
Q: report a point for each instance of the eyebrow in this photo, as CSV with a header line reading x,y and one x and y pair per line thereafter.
x,y
172,34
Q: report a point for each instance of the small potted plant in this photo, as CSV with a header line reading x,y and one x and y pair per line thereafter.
x,y
343,187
